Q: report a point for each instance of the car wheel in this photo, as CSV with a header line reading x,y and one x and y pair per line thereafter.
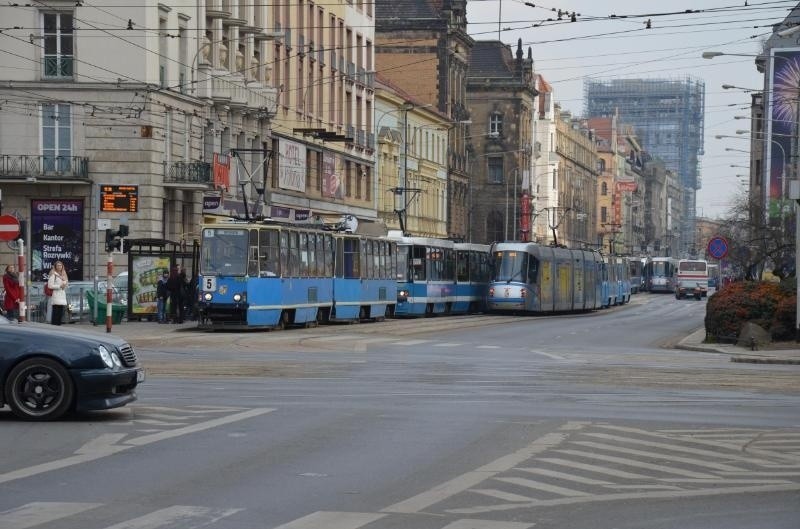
x,y
39,389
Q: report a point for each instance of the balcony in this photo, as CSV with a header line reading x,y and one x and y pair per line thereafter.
x,y
33,167
361,139
193,173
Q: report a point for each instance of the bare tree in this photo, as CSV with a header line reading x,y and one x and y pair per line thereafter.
x,y
758,242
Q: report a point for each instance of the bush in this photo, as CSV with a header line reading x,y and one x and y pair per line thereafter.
x,y
768,305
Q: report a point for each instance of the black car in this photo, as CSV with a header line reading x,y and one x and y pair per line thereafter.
x,y
46,371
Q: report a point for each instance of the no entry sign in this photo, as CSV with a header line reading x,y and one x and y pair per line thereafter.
x,y
9,227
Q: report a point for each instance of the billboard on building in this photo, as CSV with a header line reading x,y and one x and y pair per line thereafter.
x,y
56,235
332,181
292,165
782,128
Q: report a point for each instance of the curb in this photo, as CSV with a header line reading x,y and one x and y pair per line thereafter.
x,y
765,360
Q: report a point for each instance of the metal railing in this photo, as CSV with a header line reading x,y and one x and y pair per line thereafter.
x,y
56,67
24,166
187,173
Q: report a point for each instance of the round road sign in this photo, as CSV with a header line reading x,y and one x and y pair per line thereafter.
x,y
9,227
718,247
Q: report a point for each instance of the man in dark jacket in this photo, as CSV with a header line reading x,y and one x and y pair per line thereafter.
x,y
162,294
175,286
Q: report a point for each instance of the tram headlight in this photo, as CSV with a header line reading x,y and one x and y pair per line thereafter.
x,y
237,298
402,295
491,291
207,296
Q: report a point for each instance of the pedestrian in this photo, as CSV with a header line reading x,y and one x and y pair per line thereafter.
x,y
175,286
57,282
12,297
162,294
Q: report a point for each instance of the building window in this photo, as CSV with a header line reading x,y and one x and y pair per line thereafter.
x,y
603,214
495,170
56,137
604,189
58,45
495,227
495,125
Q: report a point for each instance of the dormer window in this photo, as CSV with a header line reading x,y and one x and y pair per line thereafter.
x,y
495,125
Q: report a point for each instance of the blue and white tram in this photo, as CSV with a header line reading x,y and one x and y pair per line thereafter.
x,y
472,275
528,277
268,275
425,276
659,274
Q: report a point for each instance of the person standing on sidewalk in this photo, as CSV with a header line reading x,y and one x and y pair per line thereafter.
x,y
57,282
11,286
175,286
162,294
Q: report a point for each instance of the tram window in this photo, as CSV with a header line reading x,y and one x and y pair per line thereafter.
x,y
383,260
294,254
462,266
304,263
417,265
367,259
533,269
224,251
328,255
268,253
284,248
351,258
376,260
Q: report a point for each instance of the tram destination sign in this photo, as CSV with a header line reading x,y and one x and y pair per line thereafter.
x,y
119,198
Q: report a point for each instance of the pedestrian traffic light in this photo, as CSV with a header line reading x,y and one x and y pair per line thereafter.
x,y
113,242
123,230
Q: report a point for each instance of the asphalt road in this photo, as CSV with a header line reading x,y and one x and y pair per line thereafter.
x,y
480,422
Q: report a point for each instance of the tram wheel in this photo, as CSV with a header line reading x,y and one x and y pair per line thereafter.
x,y
283,320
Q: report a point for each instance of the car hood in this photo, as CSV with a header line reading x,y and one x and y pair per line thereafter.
x,y
54,333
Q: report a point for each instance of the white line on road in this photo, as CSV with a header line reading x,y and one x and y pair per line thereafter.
x,y
470,479
657,455
548,355
546,487
563,476
593,468
184,516
41,512
152,438
410,342
501,495
639,464
333,520
486,524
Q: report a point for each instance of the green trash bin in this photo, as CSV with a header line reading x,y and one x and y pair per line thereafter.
x,y
117,311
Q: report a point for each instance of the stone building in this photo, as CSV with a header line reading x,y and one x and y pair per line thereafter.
x,y
422,47
411,168
501,95
573,219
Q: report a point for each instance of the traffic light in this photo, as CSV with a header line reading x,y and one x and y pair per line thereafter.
x,y
114,239
113,242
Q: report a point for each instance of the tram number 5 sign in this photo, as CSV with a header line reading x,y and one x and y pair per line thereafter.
x,y
718,247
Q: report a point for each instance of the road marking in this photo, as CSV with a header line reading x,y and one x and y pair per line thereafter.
x,y
501,495
667,494
537,485
410,342
470,479
639,464
101,443
594,468
184,516
486,524
548,355
108,450
563,476
659,455
333,520
447,345
41,512
488,347
194,428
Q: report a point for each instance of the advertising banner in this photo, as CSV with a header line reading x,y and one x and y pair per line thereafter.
x,y
292,165
222,169
56,235
782,129
332,181
145,271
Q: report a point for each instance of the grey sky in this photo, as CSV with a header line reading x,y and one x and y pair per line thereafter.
x,y
623,47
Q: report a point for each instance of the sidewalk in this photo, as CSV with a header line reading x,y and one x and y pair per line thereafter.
x,y
694,342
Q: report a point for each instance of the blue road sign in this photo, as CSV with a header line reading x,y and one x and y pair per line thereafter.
x,y
718,247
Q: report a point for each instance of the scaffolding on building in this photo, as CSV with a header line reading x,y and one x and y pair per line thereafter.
x,y
668,117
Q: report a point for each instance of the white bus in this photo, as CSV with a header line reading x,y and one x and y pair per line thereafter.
x,y
691,278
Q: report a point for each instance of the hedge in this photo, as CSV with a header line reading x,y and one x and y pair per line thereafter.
x,y
768,305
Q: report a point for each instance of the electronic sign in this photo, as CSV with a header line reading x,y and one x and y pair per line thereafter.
x,y
119,198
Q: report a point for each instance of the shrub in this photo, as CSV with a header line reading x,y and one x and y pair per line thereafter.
x,y
768,305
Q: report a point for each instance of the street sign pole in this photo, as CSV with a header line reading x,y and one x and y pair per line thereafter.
x,y
21,274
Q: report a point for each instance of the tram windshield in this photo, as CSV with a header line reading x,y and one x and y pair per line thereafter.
x,y
661,269
514,266
224,251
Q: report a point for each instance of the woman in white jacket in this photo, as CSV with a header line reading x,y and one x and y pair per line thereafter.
x,y
57,281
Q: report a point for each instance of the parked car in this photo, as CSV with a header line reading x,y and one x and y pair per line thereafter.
x,y
48,371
